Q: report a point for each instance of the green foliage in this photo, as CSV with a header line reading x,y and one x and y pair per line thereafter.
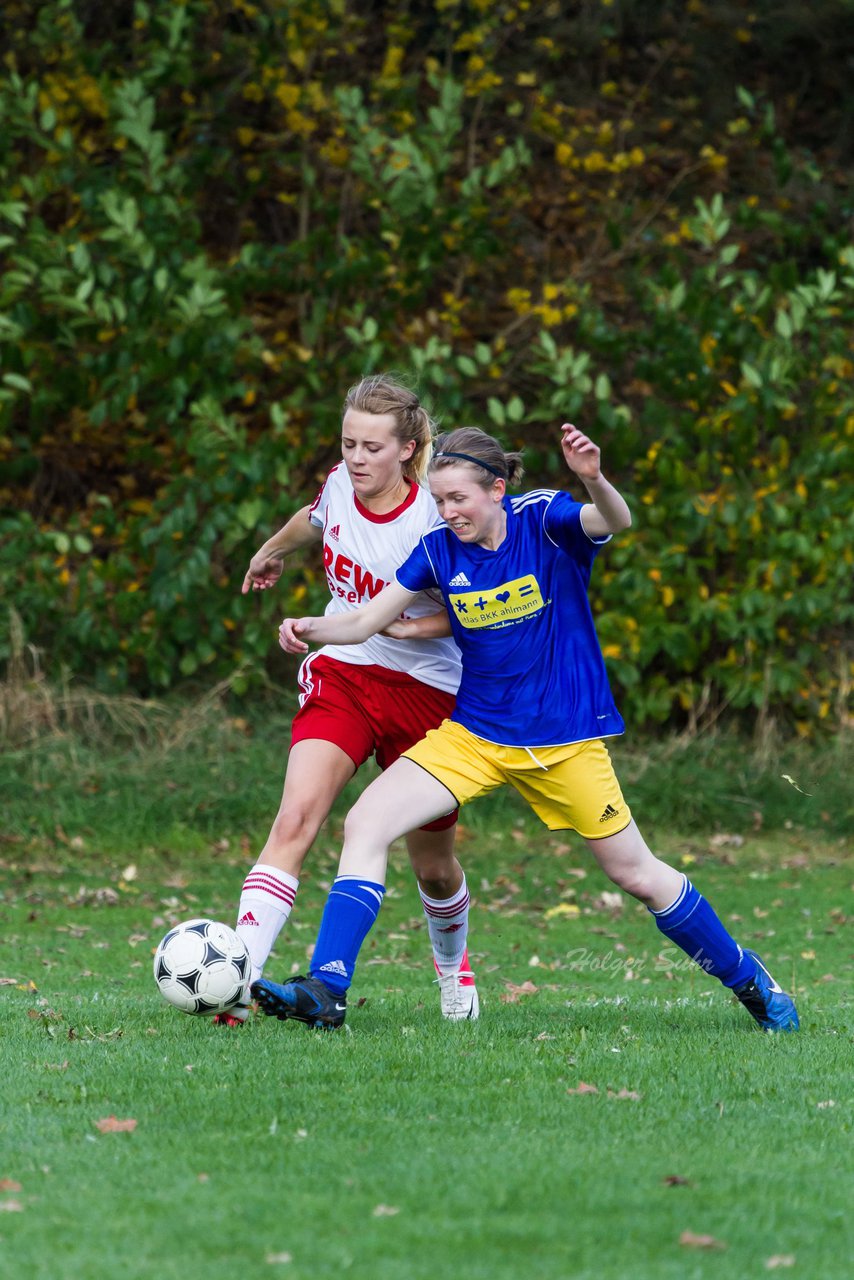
x,y
214,218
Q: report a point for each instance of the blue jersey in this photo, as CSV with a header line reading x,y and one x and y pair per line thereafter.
x,y
533,672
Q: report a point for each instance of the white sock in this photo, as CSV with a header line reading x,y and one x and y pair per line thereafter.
x,y
448,926
265,904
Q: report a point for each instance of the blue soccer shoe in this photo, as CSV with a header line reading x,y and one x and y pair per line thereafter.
x,y
766,1001
305,1000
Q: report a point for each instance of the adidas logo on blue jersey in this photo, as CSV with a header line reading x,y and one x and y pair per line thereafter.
x,y
459,581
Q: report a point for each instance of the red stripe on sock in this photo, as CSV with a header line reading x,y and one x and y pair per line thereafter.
x,y
275,888
443,912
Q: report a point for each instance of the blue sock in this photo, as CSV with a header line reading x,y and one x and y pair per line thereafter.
x,y
694,926
351,909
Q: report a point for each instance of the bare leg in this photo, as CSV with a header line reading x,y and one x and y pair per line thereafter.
x,y
317,772
432,856
316,775
626,859
402,799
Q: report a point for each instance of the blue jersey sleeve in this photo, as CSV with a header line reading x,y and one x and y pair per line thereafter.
x,y
417,572
562,523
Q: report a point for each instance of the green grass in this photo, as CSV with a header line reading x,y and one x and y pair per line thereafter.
x,y
404,1147
179,780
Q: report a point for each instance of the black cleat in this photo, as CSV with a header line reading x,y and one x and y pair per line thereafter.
x,y
305,1000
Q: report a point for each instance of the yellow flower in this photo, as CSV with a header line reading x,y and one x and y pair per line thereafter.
x,y
595,162
519,300
288,95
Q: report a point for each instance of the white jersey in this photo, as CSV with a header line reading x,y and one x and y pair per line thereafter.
x,y
361,552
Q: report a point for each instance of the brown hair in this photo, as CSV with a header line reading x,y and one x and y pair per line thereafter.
x,y
484,456
379,393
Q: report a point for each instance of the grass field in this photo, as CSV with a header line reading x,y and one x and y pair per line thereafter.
x,y
613,1114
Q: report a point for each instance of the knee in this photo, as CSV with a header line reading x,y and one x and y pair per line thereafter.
x,y
361,823
633,880
438,877
293,827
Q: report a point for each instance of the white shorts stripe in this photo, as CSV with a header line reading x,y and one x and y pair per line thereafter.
x,y
305,679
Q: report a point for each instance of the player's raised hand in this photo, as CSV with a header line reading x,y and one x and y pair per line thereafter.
x,y
290,632
581,454
263,572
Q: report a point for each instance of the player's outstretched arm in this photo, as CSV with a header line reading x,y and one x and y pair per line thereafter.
x,y
346,628
265,567
607,511
432,626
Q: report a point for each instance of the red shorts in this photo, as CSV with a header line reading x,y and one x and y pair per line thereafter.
x,y
368,710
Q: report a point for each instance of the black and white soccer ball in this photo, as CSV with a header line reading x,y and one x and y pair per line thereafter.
x,y
202,967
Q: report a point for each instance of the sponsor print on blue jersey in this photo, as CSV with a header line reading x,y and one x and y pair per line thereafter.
x,y
505,604
533,672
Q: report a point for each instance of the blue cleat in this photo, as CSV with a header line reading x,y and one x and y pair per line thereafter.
x,y
766,1001
305,1000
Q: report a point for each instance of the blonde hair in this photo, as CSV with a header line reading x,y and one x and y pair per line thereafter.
x,y
378,394
484,456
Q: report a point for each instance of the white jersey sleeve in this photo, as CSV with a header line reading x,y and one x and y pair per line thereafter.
x,y
361,552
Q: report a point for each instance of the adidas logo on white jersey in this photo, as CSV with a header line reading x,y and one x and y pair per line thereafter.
x,y
335,531
459,581
334,966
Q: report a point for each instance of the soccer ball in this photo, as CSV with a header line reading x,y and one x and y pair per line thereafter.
x,y
202,967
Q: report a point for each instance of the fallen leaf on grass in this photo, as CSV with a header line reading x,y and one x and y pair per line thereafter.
x,y
8,982
692,1241
514,993
385,1211
779,1260
562,909
11,1206
722,839
279,1257
792,783
625,1093
828,1102
584,1088
44,1016
608,901
674,1180
9,1184
109,1124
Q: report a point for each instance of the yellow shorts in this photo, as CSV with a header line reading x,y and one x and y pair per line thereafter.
x,y
567,787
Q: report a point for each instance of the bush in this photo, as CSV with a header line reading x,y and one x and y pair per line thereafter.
x,y
214,218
